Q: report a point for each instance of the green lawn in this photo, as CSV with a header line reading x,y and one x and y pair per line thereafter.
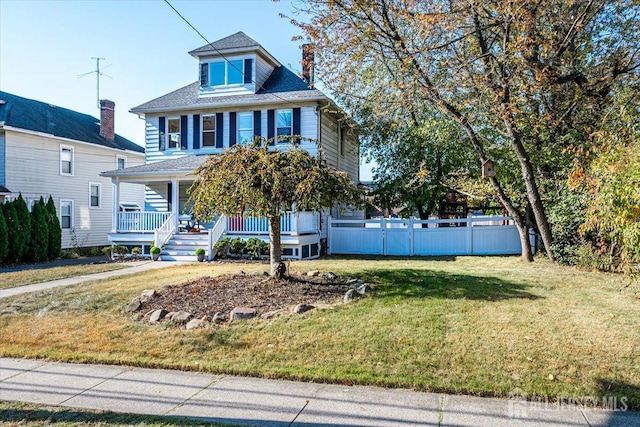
x,y
39,275
14,414
472,325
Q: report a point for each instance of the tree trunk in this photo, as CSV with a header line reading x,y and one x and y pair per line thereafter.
x,y
278,268
533,194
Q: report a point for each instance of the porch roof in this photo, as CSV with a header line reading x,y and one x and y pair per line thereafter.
x,y
179,166
4,190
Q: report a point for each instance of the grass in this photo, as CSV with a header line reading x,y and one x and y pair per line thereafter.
x,y
30,415
39,275
471,325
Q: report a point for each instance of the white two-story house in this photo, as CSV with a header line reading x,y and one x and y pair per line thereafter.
x,y
242,92
46,150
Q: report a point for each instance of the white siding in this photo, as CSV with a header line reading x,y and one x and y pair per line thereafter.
x,y
348,161
33,169
263,71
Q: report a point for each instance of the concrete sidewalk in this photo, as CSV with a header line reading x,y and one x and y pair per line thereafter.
x,y
136,267
259,402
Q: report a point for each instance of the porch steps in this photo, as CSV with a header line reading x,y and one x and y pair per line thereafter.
x,y
181,247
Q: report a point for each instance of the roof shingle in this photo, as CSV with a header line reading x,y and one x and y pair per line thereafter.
x,y
238,40
37,116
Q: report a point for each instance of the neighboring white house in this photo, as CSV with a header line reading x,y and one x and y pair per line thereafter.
x,y
242,92
46,150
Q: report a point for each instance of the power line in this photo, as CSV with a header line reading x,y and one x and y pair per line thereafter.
x,y
222,55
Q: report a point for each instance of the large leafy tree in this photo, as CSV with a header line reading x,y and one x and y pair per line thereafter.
x,y
260,181
531,74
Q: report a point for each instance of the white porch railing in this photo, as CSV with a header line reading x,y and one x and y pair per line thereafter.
x,y
291,223
215,233
140,221
163,233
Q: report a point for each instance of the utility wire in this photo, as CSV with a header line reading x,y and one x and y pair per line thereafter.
x,y
222,55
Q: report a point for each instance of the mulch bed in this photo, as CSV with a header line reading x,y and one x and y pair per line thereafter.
x,y
209,295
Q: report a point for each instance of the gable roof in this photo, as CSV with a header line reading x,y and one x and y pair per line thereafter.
x,y
4,190
36,116
235,41
283,85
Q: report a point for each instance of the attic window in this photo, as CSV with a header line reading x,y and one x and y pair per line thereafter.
x,y
226,72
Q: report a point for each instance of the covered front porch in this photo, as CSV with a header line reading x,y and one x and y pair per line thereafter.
x,y
165,220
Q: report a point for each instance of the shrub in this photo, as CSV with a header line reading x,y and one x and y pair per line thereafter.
x,y
236,246
222,247
155,250
55,232
107,251
94,251
256,247
69,254
4,238
39,244
11,219
120,250
23,227
137,250
200,251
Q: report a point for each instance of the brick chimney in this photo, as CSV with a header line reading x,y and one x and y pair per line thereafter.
x,y
308,58
107,119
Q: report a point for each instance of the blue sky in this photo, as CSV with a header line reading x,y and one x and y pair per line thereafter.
x,y
46,44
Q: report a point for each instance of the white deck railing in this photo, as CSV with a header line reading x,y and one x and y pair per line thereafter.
x,y
291,223
140,221
215,233
163,233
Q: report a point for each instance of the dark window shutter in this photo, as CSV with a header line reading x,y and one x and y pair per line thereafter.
x,y
271,125
257,123
248,70
296,123
232,129
196,131
219,130
183,132
204,74
161,136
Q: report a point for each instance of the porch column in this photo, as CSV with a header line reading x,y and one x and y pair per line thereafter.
x,y
115,198
175,197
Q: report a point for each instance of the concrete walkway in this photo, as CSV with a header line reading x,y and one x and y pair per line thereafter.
x,y
259,402
136,267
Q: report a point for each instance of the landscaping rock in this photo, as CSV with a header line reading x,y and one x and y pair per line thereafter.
x,y
181,317
147,295
352,281
349,295
134,305
271,314
363,288
158,315
219,317
195,324
331,276
313,273
243,313
302,308
170,315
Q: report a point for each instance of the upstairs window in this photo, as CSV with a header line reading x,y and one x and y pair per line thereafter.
x,y
284,125
121,162
173,133
66,160
222,73
209,131
245,127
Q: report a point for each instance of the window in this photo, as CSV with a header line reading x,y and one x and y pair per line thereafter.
x,y
225,72
66,160
95,191
245,127
209,131
284,125
173,132
121,162
66,214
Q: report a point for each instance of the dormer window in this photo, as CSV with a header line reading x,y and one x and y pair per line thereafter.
x,y
226,72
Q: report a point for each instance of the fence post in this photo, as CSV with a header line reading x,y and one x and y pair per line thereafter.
x,y
411,236
383,227
329,235
470,237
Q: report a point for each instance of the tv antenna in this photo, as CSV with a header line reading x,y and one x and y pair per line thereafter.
x,y
98,75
